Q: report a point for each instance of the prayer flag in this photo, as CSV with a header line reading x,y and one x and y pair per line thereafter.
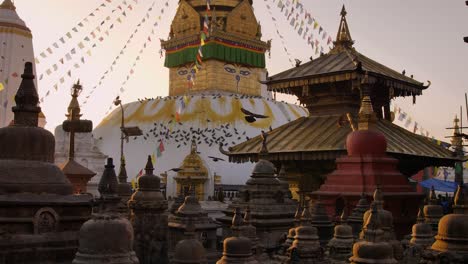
x,y
1,87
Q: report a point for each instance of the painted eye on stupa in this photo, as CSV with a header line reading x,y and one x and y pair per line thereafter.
x,y
230,68
244,72
182,71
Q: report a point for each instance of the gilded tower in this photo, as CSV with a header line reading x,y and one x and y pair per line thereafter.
x,y
226,37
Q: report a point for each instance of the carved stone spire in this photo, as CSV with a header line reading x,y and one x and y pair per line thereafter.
x,y
26,109
108,184
8,4
343,37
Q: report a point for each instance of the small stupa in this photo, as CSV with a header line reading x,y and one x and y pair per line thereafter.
x,y
433,211
189,250
237,250
355,219
385,223
271,213
452,237
149,218
321,221
306,245
422,234
373,248
340,246
39,210
107,237
204,227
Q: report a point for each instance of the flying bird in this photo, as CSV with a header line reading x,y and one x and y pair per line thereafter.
x,y
215,159
175,169
251,117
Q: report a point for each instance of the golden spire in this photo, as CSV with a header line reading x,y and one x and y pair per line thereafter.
x,y
456,139
8,4
367,117
343,37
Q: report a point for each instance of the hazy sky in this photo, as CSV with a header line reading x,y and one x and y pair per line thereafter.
x,y
424,37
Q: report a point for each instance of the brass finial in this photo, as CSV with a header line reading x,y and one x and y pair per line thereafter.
x,y
343,11
74,106
193,148
8,4
367,117
343,37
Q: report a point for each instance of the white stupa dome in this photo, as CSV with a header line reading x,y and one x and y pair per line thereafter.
x,y
210,117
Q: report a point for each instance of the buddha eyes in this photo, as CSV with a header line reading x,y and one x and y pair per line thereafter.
x,y
230,69
244,72
233,70
182,72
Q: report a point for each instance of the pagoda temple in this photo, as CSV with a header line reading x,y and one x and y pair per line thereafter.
x,y
330,88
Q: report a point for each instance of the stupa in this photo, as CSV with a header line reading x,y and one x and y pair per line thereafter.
x,y
16,40
194,174
149,218
39,210
433,211
190,213
341,245
373,248
190,250
237,250
451,245
271,213
107,237
209,107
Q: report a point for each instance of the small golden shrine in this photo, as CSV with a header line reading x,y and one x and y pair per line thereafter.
x,y
193,175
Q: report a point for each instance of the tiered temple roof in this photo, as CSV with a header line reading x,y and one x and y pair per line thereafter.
x,y
321,136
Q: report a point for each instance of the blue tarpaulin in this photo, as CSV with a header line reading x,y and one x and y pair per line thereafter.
x,y
439,185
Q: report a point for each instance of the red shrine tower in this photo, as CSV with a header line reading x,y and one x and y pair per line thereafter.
x,y
366,167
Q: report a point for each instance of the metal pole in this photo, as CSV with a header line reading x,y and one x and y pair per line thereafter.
x,y
122,134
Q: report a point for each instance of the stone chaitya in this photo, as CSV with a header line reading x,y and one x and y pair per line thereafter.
x,y
37,205
451,245
204,227
306,247
321,221
149,218
433,211
271,213
373,248
189,250
237,250
340,246
107,237
355,219
385,223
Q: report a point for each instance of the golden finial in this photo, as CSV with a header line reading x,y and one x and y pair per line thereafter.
x,y
343,37
367,117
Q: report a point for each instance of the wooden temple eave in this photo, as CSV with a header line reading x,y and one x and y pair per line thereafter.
x,y
401,88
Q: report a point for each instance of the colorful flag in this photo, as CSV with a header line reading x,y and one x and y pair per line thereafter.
x,y
1,87
161,146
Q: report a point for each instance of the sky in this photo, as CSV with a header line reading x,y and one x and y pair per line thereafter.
x,y
422,37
